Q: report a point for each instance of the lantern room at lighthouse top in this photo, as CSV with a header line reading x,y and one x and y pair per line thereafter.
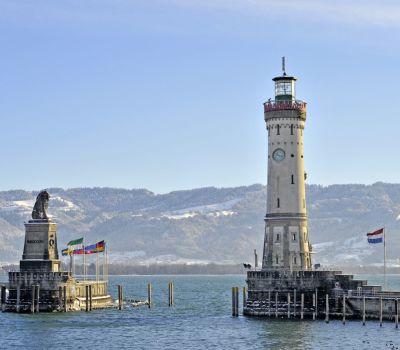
x,y
285,86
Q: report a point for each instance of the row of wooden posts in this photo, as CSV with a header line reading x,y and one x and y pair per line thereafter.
x,y
149,295
235,306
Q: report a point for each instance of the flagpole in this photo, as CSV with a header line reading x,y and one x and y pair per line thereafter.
x,y
384,257
84,260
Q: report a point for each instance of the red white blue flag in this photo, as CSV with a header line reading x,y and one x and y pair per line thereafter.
x,y
376,236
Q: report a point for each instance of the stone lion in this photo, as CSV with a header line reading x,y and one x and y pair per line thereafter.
x,y
40,208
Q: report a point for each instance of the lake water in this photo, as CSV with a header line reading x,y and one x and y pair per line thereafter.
x,y
200,319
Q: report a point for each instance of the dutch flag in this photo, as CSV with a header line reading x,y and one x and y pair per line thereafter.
x,y
376,236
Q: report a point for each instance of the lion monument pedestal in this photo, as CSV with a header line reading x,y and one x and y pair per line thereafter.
x,y
39,284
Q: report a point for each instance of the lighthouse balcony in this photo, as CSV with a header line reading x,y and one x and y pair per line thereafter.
x,y
286,105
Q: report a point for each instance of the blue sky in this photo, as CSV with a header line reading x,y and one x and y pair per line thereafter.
x,y
167,94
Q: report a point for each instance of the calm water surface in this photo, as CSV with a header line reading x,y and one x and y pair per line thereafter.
x,y
199,320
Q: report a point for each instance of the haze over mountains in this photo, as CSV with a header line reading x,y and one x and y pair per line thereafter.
x,y
210,224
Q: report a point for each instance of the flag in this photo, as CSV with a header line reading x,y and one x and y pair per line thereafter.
x,y
75,245
75,242
100,246
95,248
65,252
90,249
376,236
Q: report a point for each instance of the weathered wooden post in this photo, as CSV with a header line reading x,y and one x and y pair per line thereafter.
x,y
37,297
302,306
18,297
90,298
60,298
288,305
65,299
276,304
3,296
233,301
87,298
149,294
33,299
327,308
269,302
396,310
294,302
344,309
363,311
244,297
237,301
313,304
119,287
380,312
170,294
316,302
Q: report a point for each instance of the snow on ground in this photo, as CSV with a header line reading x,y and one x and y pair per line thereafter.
x,y
179,216
64,204
204,209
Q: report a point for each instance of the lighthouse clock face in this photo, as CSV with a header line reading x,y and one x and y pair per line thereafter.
x,y
278,155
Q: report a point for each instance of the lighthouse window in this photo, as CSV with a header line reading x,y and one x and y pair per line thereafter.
x,y
277,259
292,179
277,237
278,204
283,88
278,130
295,260
291,129
294,236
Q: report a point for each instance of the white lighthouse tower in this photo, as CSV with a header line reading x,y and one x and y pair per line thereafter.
x,y
286,244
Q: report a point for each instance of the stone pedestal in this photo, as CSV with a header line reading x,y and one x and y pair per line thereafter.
x,y
40,248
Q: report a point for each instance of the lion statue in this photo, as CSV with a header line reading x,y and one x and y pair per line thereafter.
x,y
40,208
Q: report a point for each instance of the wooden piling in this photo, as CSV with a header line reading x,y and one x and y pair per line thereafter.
x,y
294,302
313,304
327,308
3,295
237,302
119,287
90,298
344,309
288,305
302,306
33,299
149,294
276,304
363,318
316,302
87,298
65,299
18,298
380,312
244,297
37,298
60,298
396,310
170,293
233,301
269,302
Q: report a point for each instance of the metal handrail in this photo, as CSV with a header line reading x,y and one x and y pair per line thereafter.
x,y
274,105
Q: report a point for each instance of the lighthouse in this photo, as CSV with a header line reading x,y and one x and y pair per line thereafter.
x,y
286,244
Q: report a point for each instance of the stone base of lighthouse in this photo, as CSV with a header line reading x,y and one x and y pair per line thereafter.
x,y
315,294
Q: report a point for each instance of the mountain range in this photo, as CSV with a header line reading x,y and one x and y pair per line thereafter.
x,y
222,225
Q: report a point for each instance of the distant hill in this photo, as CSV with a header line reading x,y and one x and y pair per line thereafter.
x,y
210,224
